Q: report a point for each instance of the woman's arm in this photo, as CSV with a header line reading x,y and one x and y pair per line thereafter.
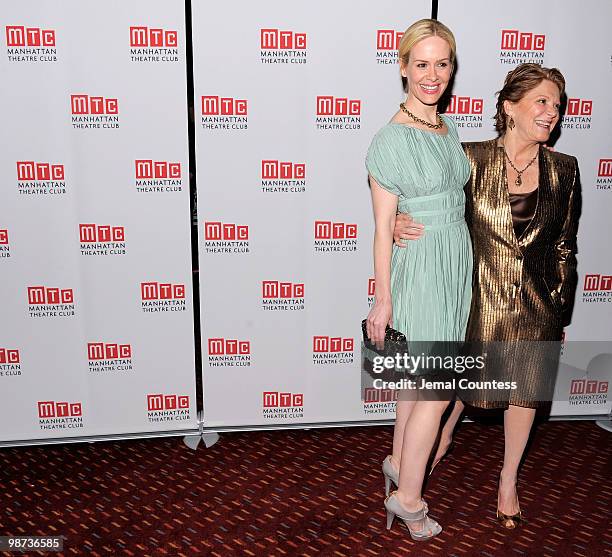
x,y
385,206
566,249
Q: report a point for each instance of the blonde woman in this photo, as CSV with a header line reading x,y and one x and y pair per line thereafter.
x,y
416,165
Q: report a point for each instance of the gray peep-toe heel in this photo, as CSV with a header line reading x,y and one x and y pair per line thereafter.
x,y
430,527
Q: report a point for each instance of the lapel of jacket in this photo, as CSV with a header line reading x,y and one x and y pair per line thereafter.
x,y
502,196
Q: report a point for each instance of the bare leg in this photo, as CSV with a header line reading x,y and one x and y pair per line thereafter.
x,y
446,435
420,432
402,413
517,426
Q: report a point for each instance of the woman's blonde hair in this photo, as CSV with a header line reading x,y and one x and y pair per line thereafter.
x,y
423,29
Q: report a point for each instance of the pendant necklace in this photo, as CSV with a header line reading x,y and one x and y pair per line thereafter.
x,y
519,181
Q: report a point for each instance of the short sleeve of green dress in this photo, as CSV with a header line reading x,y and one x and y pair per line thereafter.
x,y
382,150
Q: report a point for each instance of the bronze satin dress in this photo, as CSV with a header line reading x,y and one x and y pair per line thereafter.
x,y
523,287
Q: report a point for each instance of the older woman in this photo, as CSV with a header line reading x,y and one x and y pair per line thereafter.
x,y
522,207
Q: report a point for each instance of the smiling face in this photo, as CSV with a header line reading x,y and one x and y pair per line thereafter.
x,y
428,70
537,113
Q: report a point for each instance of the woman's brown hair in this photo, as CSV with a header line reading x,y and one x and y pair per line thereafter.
x,y
518,83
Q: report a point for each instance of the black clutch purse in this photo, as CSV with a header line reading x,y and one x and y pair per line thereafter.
x,y
394,341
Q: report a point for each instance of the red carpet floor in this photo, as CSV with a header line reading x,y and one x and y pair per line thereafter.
x,y
317,492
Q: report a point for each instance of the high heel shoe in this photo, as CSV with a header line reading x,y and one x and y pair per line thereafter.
x,y
446,453
390,475
394,508
509,521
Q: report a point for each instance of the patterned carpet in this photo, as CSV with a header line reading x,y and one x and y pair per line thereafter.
x,y
306,493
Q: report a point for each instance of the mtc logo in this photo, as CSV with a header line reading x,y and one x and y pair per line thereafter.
x,y
4,237
579,107
464,105
101,233
224,106
326,230
84,104
586,387
330,106
51,296
228,347
371,287
370,395
18,35
285,40
332,344
274,170
276,289
598,282
9,356
148,169
52,409
388,40
102,351
162,291
272,399
605,167
167,402
43,171
144,37
229,232
512,39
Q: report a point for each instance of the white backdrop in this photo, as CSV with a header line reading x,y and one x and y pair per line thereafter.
x,y
94,215
280,163
79,213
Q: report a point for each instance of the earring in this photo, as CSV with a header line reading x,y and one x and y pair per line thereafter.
x,y
511,123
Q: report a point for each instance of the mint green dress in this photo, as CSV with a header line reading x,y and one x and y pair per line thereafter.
x,y
431,279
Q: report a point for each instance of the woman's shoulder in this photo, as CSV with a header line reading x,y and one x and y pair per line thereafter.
x,y
476,148
387,136
390,129
479,149
564,159
383,146
565,166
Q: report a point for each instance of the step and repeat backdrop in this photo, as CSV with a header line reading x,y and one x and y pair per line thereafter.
x,y
96,335
96,328
287,101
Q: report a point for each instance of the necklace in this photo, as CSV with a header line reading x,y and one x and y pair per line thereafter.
x,y
519,181
425,123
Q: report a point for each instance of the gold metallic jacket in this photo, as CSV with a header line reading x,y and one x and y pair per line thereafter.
x,y
523,288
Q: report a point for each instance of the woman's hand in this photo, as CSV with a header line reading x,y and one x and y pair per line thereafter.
x,y
406,229
379,317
